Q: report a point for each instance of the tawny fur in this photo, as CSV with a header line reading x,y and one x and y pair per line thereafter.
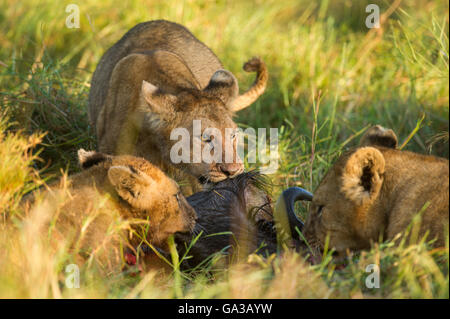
x,y
113,191
375,191
159,77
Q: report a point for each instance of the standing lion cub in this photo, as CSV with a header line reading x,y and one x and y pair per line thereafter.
x,y
375,191
159,77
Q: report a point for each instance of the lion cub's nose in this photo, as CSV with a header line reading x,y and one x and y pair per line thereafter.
x,y
232,169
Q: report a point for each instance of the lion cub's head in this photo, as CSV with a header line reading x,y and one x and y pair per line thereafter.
x,y
205,117
344,203
142,191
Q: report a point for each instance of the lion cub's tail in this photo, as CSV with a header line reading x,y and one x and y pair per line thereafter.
x,y
253,65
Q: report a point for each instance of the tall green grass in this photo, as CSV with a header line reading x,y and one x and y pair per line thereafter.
x,y
330,78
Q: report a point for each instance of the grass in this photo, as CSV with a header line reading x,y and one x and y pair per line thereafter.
x,y
330,78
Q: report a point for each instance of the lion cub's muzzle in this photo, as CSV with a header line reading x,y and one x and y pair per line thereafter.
x,y
222,171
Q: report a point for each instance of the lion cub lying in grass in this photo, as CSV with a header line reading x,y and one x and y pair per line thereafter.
x,y
114,205
376,191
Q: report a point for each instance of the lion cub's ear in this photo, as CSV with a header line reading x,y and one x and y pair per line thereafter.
x,y
362,175
224,86
90,158
132,185
159,102
379,136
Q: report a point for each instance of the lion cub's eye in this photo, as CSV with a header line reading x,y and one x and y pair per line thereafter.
x,y
206,139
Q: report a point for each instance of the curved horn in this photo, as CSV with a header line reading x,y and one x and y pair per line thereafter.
x,y
253,65
284,209
291,195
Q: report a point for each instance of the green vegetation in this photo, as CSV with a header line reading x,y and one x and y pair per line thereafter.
x,y
330,78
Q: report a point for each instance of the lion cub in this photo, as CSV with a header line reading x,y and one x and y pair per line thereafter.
x,y
157,78
376,190
116,204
